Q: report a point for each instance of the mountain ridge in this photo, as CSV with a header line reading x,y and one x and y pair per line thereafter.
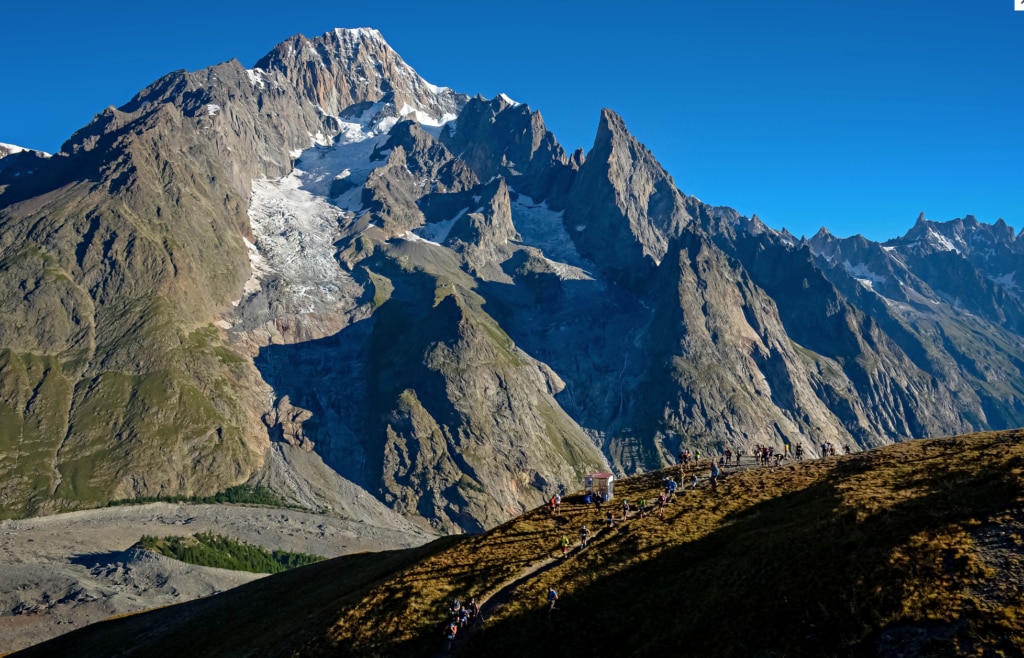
x,y
328,251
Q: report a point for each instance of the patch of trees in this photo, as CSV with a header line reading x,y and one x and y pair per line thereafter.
x,y
243,494
209,550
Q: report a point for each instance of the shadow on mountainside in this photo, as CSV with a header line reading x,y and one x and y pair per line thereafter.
x,y
360,374
914,550
251,619
807,573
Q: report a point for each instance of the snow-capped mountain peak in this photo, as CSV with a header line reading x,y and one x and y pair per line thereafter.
x,y
11,149
347,68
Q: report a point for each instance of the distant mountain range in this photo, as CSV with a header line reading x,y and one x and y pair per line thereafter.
x,y
326,253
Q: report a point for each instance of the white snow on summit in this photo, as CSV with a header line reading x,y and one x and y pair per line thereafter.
x,y
359,32
11,149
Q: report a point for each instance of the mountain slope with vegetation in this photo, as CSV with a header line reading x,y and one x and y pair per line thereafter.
x,y
326,251
915,549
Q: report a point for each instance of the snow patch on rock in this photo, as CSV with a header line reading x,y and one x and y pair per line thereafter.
x,y
1008,280
544,229
864,275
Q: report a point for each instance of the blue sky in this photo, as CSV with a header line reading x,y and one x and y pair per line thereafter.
x,y
852,115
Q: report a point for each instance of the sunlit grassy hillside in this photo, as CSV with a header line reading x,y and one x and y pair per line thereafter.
x,y
915,549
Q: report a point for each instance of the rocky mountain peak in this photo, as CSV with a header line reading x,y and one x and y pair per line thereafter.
x,y
821,243
966,236
624,207
18,161
500,137
392,284
345,67
609,126
354,34
9,149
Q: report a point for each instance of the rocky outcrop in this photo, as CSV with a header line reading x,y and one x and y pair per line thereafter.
x,y
623,207
502,138
473,434
428,160
483,235
344,68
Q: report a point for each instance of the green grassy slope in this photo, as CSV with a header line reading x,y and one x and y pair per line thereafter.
x,y
914,549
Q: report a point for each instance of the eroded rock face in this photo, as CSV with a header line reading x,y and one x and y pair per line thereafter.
x,y
623,207
503,138
343,68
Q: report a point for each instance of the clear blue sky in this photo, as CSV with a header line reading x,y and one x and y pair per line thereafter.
x,y
853,115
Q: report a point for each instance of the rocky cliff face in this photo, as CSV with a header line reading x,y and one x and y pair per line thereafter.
x,y
458,317
623,207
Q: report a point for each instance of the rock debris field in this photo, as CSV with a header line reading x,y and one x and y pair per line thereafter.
x,y
59,573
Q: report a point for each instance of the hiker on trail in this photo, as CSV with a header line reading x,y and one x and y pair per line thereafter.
x,y
728,456
558,504
463,617
846,449
694,480
552,598
642,507
625,509
679,457
565,545
662,499
584,536
715,473
799,452
474,609
449,632
611,520
552,502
